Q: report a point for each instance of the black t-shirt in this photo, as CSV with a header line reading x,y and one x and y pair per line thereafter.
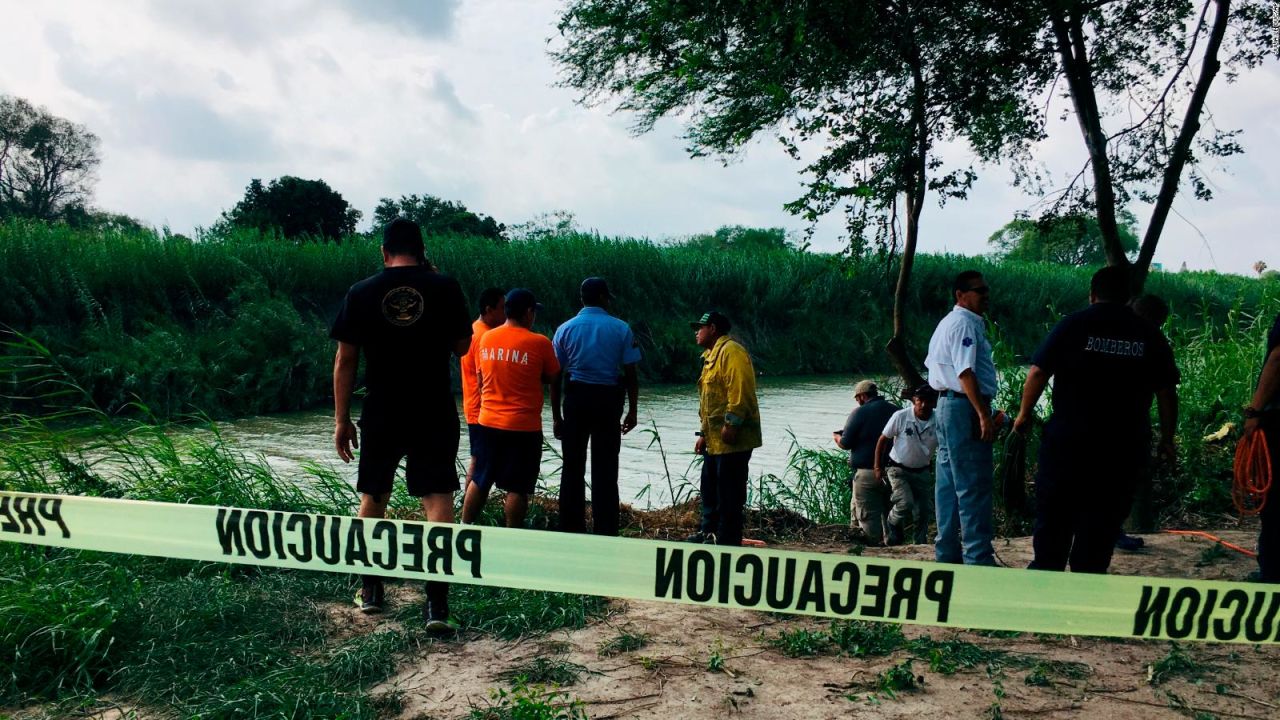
x,y
406,320
862,431
1107,364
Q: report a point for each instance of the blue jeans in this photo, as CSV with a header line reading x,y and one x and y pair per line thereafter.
x,y
965,474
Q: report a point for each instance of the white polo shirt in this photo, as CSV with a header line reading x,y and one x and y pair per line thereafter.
x,y
914,440
960,343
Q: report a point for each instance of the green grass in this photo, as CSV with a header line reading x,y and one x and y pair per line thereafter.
x,y
624,642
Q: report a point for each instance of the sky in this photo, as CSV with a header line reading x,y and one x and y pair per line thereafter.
x,y
458,99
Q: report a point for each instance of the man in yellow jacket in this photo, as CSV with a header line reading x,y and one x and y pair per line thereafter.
x,y
730,429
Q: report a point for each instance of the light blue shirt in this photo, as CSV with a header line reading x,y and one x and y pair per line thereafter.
x,y
960,343
593,345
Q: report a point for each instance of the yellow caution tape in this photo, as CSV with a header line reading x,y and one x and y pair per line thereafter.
x,y
825,585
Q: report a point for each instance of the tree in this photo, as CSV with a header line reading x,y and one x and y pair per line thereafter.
x,y
1072,239
737,237
876,84
437,217
296,207
47,163
1139,53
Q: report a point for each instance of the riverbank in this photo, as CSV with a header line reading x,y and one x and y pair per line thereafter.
x,y
157,324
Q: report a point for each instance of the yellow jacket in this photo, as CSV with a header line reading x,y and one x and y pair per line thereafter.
x,y
727,389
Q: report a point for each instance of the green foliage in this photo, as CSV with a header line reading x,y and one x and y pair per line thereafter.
x,y
737,237
876,85
437,217
295,207
898,678
545,671
1177,663
801,642
623,642
1072,239
862,638
529,702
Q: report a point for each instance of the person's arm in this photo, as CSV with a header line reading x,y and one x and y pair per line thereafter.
x,y
345,362
850,428
557,419
969,381
632,383
1268,384
1032,389
882,453
1167,410
739,386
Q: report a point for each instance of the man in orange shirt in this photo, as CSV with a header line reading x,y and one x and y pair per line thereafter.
x,y
513,364
492,314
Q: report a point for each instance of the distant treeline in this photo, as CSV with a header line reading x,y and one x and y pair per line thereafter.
x,y
238,324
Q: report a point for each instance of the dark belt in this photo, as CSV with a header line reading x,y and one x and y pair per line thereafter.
x,y
908,468
960,394
591,386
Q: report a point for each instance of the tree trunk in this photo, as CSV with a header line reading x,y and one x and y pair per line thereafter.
x,y
897,349
1069,34
1182,146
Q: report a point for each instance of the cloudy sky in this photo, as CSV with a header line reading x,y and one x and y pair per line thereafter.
x,y
455,98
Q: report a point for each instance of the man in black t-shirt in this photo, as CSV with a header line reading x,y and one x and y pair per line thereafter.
x,y
1106,363
406,320
1263,413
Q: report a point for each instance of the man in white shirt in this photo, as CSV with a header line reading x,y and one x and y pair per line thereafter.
x,y
904,453
962,371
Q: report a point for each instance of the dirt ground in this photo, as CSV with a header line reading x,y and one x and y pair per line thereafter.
x,y
669,677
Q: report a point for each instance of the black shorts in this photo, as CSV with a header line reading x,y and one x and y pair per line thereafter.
x,y
431,447
509,460
475,438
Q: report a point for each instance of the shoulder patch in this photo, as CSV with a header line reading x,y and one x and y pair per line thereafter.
x,y
967,341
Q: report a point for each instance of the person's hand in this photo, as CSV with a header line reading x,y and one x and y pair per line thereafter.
x,y
555,428
987,428
700,446
1022,424
729,434
835,436
1251,426
881,476
345,439
629,422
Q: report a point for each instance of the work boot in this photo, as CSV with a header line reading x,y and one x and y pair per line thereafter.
x,y
702,538
435,614
893,533
371,595
1129,543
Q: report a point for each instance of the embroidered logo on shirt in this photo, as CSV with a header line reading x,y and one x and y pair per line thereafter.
x,y
402,306
967,341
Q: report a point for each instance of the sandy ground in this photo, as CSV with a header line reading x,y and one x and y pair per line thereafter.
x,y
669,676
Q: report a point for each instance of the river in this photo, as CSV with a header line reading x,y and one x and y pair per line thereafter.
x,y
807,407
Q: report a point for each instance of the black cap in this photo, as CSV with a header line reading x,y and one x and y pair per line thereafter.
x,y
712,318
595,289
519,300
403,237
925,392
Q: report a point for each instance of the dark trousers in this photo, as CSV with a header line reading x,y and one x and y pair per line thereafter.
x,y
1269,537
592,415
1080,510
724,492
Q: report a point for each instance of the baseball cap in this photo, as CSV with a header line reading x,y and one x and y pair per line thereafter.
x,y
866,386
712,318
519,300
925,392
595,289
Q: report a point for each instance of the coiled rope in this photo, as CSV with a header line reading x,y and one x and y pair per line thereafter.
x,y
1252,474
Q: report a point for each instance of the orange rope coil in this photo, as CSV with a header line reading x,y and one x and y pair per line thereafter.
x,y
1252,474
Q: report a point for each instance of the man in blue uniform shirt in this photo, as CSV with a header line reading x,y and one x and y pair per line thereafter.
x,y
1106,363
962,371
598,356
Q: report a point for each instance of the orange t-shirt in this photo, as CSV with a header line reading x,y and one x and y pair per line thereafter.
x,y
512,363
470,381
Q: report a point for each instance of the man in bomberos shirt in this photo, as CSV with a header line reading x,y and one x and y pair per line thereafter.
x,y
904,453
492,314
730,418
598,356
514,363
962,371
1106,363
405,320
